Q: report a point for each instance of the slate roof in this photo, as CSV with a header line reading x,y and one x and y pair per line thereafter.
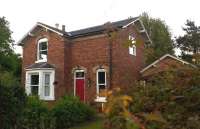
x,y
41,65
84,32
91,30
100,28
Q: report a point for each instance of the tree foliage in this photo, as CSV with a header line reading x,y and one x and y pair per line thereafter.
x,y
10,63
5,37
12,103
160,35
173,95
189,43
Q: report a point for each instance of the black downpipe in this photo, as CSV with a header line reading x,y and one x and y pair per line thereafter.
x,y
110,59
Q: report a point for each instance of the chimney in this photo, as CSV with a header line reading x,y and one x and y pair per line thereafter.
x,y
57,25
63,28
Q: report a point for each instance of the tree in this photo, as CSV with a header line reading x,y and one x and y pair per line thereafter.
x,y
173,95
12,103
5,37
189,43
10,63
160,35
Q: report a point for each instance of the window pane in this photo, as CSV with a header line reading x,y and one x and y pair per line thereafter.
x,y
102,90
34,79
47,79
102,87
131,51
101,77
43,46
34,90
46,90
79,74
43,54
47,84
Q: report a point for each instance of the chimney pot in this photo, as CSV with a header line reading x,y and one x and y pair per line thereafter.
x,y
63,28
57,25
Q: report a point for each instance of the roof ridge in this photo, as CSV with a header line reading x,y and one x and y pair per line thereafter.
x,y
132,18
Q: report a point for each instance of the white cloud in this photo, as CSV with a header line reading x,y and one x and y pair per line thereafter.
x,y
76,14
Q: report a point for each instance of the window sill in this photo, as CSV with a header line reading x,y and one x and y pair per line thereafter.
x,y
48,99
39,61
101,99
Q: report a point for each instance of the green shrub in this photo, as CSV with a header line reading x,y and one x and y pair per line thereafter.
x,y
35,115
69,111
12,102
174,96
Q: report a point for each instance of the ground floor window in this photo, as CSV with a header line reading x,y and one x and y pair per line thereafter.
x,y
40,82
34,83
101,84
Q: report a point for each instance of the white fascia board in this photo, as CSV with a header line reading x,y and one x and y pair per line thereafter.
x,y
49,29
38,24
130,23
144,30
163,57
27,34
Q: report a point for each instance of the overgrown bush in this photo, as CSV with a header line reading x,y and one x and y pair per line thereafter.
x,y
69,111
36,115
170,101
12,102
117,111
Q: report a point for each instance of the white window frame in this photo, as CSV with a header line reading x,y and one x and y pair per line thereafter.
x,y
44,83
132,48
98,98
36,73
41,93
38,50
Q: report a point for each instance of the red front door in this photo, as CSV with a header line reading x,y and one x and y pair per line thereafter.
x,y
80,85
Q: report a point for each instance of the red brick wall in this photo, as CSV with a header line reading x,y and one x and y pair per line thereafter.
x,y
126,67
88,53
55,56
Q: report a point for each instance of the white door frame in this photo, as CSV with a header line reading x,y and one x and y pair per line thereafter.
x,y
76,71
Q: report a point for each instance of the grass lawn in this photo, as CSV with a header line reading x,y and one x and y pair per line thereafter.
x,y
96,124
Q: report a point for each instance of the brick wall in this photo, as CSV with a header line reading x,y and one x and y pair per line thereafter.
x,y
55,56
88,53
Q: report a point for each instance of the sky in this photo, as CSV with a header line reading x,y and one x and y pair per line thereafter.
x,y
77,14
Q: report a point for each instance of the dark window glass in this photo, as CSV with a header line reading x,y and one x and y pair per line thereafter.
x,y
79,74
102,87
34,90
34,79
43,50
101,77
43,46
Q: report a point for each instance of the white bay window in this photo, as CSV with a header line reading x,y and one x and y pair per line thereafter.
x,y
40,82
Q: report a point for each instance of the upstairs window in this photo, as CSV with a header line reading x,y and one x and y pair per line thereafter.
x,y
42,50
132,47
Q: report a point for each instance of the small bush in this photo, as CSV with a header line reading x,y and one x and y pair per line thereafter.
x,y
35,115
69,111
12,102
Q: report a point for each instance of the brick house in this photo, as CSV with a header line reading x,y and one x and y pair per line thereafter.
x,y
85,62
163,64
